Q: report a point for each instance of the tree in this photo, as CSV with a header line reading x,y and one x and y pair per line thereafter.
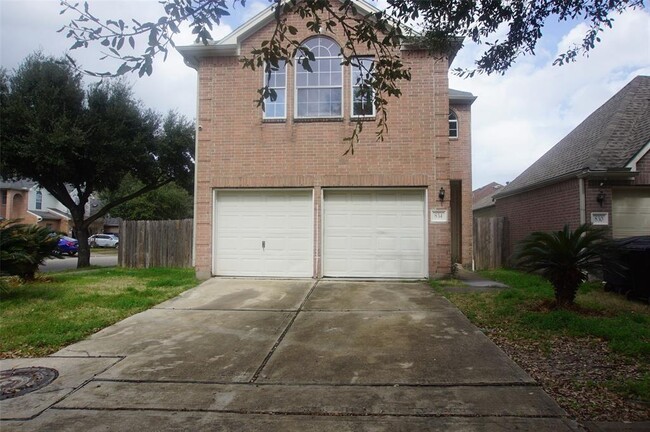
x,y
566,257
443,24
167,202
74,141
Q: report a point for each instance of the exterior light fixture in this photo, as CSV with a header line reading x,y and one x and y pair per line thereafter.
x,y
441,194
600,197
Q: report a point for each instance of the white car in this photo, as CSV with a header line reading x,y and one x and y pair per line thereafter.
x,y
103,240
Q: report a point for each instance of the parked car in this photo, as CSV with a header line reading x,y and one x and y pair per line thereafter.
x,y
67,245
103,240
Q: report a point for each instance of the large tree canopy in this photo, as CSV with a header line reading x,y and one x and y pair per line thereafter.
x,y
75,142
440,24
167,202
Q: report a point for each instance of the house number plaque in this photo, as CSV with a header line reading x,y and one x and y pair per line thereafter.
x,y
600,218
438,216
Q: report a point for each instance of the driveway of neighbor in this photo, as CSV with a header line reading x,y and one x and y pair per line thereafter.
x,y
285,355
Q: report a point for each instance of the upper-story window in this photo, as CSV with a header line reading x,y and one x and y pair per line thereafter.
x,y
277,82
453,125
362,95
319,93
39,200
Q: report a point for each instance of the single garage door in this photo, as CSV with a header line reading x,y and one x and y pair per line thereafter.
x,y
374,233
263,233
630,212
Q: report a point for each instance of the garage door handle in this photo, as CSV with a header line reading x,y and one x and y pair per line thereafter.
x,y
263,244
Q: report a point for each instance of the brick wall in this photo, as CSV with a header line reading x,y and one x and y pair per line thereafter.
x,y
237,149
460,166
544,209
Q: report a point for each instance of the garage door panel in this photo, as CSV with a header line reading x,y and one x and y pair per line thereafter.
x,y
374,233
631,212
281,221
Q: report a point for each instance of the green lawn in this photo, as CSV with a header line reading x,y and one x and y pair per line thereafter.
x,y
524,312
38,318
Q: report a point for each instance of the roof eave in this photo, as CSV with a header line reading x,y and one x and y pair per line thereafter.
x,y
608,174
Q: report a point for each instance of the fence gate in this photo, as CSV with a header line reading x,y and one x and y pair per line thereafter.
x,y
146,244
489,242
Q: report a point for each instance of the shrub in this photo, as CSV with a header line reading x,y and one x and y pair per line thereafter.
x,y
24,247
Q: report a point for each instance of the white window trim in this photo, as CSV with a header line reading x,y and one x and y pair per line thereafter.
x,y
352,86
457,123
284,116
295,88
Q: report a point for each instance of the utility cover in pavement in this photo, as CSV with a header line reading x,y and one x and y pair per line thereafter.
x,y
17,382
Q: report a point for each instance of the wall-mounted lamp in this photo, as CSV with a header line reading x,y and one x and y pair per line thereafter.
x,y
441,194
600,197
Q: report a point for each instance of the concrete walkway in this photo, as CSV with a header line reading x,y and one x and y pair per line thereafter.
x,y
287,355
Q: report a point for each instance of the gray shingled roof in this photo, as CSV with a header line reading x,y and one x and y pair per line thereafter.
x,y
16,184
606,140
461,97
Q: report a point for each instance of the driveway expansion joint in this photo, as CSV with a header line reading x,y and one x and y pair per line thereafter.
x,y
312,413
283,334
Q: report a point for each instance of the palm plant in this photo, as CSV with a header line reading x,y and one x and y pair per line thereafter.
x,y
565,258
24,247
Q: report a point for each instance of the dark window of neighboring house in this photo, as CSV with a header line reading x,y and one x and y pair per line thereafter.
x,y
362,95
319,93
453,125
277,81
39,200
4,197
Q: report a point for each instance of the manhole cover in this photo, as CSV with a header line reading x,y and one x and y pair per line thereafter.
x,y
17,382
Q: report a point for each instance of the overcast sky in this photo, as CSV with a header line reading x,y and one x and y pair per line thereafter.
x,y
516,118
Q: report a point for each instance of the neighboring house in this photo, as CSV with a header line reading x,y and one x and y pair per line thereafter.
x,y
483,200
25,200
276,196
598,173
105,224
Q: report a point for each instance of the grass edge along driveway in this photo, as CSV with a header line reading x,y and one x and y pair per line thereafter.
x,y
41,317
594,360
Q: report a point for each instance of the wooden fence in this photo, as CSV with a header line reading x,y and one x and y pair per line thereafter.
x,y
146,244
490,242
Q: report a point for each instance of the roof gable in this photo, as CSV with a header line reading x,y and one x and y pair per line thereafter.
x,y
607,140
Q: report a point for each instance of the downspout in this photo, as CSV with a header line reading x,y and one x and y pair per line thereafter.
x,y
583,201
196,165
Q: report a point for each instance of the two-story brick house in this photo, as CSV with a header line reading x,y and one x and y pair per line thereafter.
x,y
276,196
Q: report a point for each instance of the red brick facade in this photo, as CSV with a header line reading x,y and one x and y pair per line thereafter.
x,y
237,149
551,207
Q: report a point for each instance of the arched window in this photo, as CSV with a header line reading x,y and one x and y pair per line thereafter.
x,y
39,200
453,125
319,92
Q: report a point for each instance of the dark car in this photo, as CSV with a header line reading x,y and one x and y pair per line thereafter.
x,y
67,245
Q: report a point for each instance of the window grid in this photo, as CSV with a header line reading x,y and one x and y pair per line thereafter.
x,y
276,109
39,200
320,93
453,125
362,104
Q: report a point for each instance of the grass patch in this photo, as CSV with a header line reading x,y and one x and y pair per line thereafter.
x,y
522,313
39,318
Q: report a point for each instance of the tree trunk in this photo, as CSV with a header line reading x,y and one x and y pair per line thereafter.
x,y
82,231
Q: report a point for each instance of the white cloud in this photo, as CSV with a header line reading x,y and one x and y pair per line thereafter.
x,y
520,115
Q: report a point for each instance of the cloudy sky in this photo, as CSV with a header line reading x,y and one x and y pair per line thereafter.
x,y
516,118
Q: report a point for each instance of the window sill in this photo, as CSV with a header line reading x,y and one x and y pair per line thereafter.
x,y
317,119
363,118
274,120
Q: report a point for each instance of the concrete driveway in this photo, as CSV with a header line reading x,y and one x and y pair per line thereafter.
x,y
288,355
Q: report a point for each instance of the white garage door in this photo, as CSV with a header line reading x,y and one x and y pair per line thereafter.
x,y
378,233
263,233
630,212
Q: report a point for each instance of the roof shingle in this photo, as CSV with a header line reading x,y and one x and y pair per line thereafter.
x,y
606,140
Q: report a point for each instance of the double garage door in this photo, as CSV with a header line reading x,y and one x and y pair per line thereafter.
x,y
365,233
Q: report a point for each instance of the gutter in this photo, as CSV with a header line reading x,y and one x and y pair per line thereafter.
x,y
614,174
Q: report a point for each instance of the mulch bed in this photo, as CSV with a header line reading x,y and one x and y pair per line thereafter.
x,y
577,374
